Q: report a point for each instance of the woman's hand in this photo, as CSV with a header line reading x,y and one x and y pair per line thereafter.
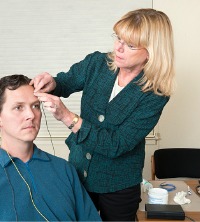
x,y
54,104
44,82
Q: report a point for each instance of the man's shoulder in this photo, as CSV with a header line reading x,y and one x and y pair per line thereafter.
x,y
46,156
58,162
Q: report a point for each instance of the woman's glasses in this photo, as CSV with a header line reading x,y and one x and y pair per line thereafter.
x,y
118,39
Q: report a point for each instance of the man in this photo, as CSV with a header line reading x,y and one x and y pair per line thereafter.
x,y
34,185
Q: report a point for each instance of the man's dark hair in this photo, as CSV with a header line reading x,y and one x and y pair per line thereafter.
x,y
11,82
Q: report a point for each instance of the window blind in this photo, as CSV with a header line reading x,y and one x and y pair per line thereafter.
x,y
50,35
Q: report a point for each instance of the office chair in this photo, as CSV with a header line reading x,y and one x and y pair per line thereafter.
x,y
175,162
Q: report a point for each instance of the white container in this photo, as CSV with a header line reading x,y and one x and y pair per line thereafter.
x,y
158,196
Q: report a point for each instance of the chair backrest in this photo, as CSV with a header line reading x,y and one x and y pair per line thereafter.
x,y
175,162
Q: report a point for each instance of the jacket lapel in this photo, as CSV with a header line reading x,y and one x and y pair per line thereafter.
x,y
120,106
101,92
124,103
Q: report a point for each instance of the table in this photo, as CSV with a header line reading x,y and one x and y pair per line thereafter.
x,y
194,215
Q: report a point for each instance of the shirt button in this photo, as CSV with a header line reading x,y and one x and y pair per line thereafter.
x,y
88,156
85,173
101,118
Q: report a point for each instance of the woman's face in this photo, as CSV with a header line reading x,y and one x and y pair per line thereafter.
x,y
128,57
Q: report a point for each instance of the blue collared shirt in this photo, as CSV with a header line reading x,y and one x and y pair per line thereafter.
x,y
56,190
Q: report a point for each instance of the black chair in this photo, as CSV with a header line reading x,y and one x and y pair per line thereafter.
x,y
175,162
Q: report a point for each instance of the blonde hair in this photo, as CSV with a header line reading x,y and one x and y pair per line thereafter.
x,y
152,30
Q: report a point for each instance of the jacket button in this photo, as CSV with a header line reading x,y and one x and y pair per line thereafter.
x,y
101,118
88,156
85,173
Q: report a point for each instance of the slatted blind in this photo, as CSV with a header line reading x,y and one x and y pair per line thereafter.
x,y
51,35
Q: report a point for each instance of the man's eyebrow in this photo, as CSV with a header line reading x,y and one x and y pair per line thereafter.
x,y
18,102
36,101
21,102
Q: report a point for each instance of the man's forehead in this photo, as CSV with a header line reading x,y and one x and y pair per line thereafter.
x,y
21,94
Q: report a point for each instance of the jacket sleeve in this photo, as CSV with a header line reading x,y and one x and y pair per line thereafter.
x,y
74,80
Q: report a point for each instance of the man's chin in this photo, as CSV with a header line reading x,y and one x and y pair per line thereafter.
x,y
29,138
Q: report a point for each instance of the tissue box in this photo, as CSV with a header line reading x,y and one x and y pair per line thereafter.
x,y
164,211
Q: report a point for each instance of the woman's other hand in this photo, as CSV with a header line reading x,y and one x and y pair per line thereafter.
x,y
44,82
53,104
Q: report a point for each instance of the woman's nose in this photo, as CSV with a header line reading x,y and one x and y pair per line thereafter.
x,y
120,46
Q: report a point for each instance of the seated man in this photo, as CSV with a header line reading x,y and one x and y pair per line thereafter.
x,y
34,185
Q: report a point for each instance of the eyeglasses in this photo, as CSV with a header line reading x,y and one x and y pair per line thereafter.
x,y
117,38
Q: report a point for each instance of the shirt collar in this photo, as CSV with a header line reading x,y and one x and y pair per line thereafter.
x,y
37,154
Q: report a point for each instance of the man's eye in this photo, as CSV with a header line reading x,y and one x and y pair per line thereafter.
x,y
18,107
36,106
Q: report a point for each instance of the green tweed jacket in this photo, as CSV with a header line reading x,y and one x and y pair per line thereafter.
x,y
109,149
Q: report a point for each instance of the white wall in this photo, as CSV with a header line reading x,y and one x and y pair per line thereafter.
x,y
179,125
180,122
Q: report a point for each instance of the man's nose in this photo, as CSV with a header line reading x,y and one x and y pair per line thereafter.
x,y
29,114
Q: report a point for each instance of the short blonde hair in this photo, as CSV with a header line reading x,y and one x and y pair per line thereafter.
x,y
152,30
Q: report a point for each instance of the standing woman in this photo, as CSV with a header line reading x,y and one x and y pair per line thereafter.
x,y
124,93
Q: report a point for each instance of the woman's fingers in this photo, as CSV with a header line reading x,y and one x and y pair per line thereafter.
x,y
53,104
44,82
